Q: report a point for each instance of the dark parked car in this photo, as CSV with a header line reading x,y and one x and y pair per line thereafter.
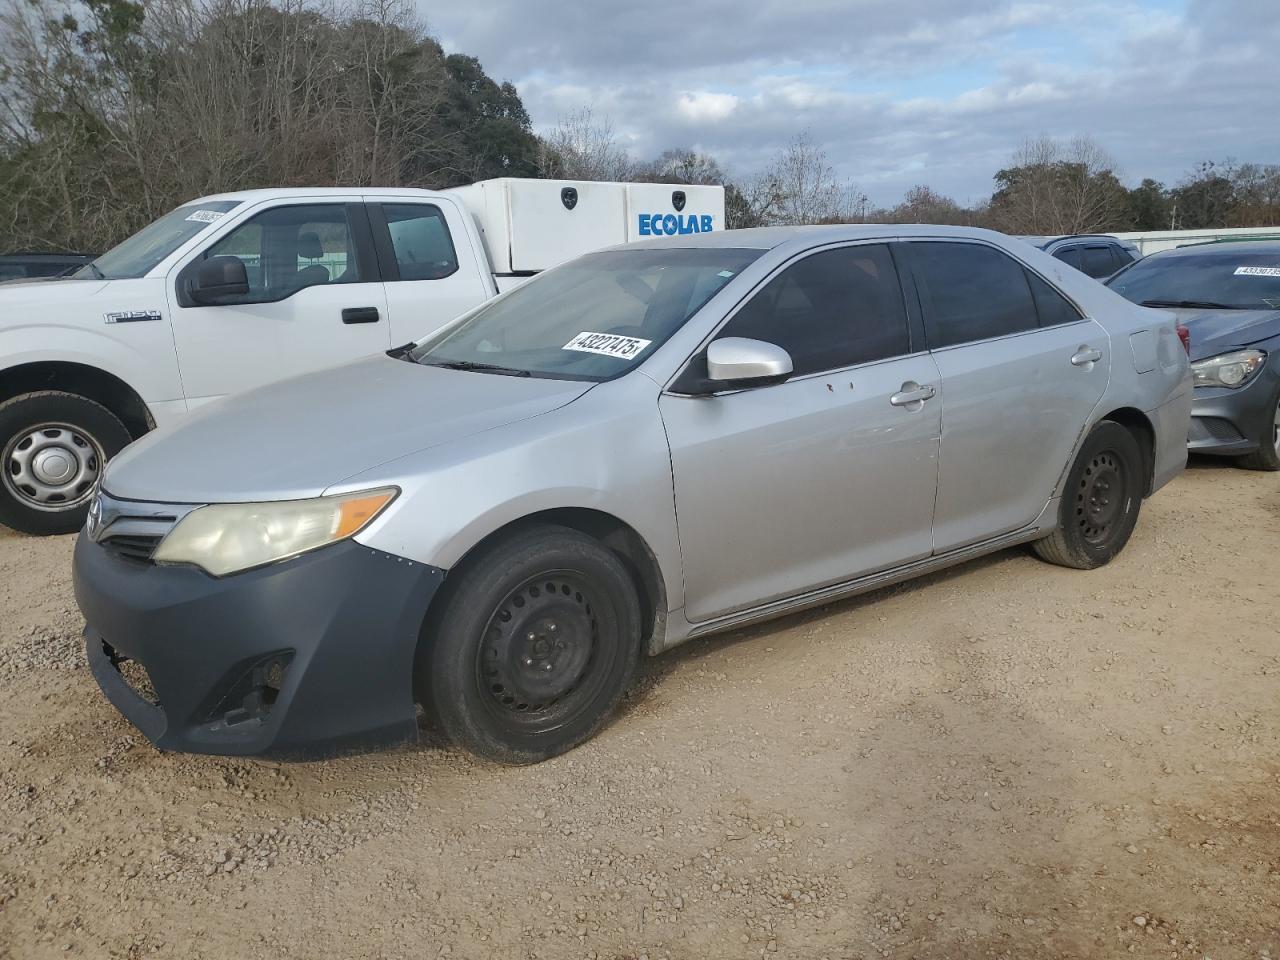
x,y
1228,296
1095,255
40,266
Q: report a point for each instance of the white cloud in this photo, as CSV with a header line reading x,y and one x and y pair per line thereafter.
x,y
706,107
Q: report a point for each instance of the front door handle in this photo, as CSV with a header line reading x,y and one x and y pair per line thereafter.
x,y
1085,356
912,395
360,315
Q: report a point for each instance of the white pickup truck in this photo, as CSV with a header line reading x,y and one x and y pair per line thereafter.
x,y
233,291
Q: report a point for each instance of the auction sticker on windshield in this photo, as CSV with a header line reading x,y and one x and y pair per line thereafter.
x,y
206,216
608,345
1258,271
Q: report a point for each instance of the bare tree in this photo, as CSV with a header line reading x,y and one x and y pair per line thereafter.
x,y
1057,187
583,146
801,186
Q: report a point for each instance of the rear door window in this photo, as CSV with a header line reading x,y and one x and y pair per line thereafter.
x,y
971,292
1098,262
421,247
1053,307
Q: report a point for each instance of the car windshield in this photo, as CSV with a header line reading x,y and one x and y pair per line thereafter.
x,y
1215,278
594,318
136,256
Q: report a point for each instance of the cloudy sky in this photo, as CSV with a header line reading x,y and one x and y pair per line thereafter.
x,y
898,91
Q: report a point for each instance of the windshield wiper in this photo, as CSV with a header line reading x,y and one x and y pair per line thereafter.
x,y
1192,304
480,367
98,274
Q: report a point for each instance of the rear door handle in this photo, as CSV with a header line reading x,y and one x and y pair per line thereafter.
x,y
913,393
1085,356
360,315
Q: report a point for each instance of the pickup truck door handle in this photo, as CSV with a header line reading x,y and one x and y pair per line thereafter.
x,y
912,395
360,315
1085,356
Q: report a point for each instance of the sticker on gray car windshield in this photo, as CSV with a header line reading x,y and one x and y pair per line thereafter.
x,y
1258,271
206,216
608,345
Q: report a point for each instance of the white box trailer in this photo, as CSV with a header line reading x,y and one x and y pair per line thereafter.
x,y
531,225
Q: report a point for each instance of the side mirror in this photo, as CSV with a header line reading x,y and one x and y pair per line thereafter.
x,y
219,278
740,362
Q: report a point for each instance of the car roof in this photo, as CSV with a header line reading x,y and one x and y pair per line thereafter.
x,y
1224,247
767,238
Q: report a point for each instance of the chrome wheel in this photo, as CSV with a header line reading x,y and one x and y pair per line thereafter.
x,y
52,467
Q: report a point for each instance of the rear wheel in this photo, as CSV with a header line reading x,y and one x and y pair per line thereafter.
x,y
53,447
1267,456
1100,502
536,644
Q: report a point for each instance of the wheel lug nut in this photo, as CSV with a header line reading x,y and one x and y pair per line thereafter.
x,y
531,637
528,661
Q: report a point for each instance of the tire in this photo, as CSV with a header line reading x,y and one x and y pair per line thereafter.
x,y
537,640
53,431
1100,502
1267,456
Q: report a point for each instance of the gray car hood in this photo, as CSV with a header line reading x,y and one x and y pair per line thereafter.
x,y
1218,331
295,438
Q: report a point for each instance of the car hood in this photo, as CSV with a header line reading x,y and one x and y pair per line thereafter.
x,y
1218,331
295,438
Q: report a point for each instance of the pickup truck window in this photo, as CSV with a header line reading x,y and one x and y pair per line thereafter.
x,y
420,241
593,318
139,255
286,249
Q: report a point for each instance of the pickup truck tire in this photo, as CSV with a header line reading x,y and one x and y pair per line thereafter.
x,y
1100,501
53,447
534,647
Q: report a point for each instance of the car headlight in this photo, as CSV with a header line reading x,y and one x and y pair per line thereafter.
x,y
225,538
1228,370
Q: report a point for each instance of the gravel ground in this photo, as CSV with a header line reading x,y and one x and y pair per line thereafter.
x,y
1005,760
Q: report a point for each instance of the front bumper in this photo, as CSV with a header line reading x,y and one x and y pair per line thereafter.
x,y
1230,422
306,656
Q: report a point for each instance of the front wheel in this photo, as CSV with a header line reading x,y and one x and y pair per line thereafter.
x,y
1100,502
53,447
536,643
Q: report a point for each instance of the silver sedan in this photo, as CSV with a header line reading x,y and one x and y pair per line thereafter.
x,y
648,444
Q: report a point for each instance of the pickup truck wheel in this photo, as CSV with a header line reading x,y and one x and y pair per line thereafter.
x,y
53,447
536,644
1100,501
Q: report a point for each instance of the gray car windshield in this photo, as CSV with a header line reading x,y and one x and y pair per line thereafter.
x,y
138,255
594,318
1225,279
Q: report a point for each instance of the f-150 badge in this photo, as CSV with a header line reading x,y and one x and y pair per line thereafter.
x,y
132,316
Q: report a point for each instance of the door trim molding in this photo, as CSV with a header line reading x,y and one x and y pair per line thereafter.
x,y
873,581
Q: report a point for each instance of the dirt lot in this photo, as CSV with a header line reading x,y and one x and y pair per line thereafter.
x,y
1006,760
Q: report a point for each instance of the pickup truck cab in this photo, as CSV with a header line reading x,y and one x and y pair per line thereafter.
x,y
234,291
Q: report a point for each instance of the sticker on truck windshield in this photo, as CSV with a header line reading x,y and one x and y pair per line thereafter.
x,y
608,345
1258,271
206,216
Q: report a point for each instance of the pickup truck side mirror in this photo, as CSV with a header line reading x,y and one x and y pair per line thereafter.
x,y
219,278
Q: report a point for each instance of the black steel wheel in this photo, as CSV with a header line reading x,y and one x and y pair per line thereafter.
x,y
1100,501
534,645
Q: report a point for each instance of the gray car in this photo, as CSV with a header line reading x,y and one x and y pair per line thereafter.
x,y
651,443
1096,255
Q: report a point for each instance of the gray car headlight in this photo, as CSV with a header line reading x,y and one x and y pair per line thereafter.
x,y
225,538
1228,369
